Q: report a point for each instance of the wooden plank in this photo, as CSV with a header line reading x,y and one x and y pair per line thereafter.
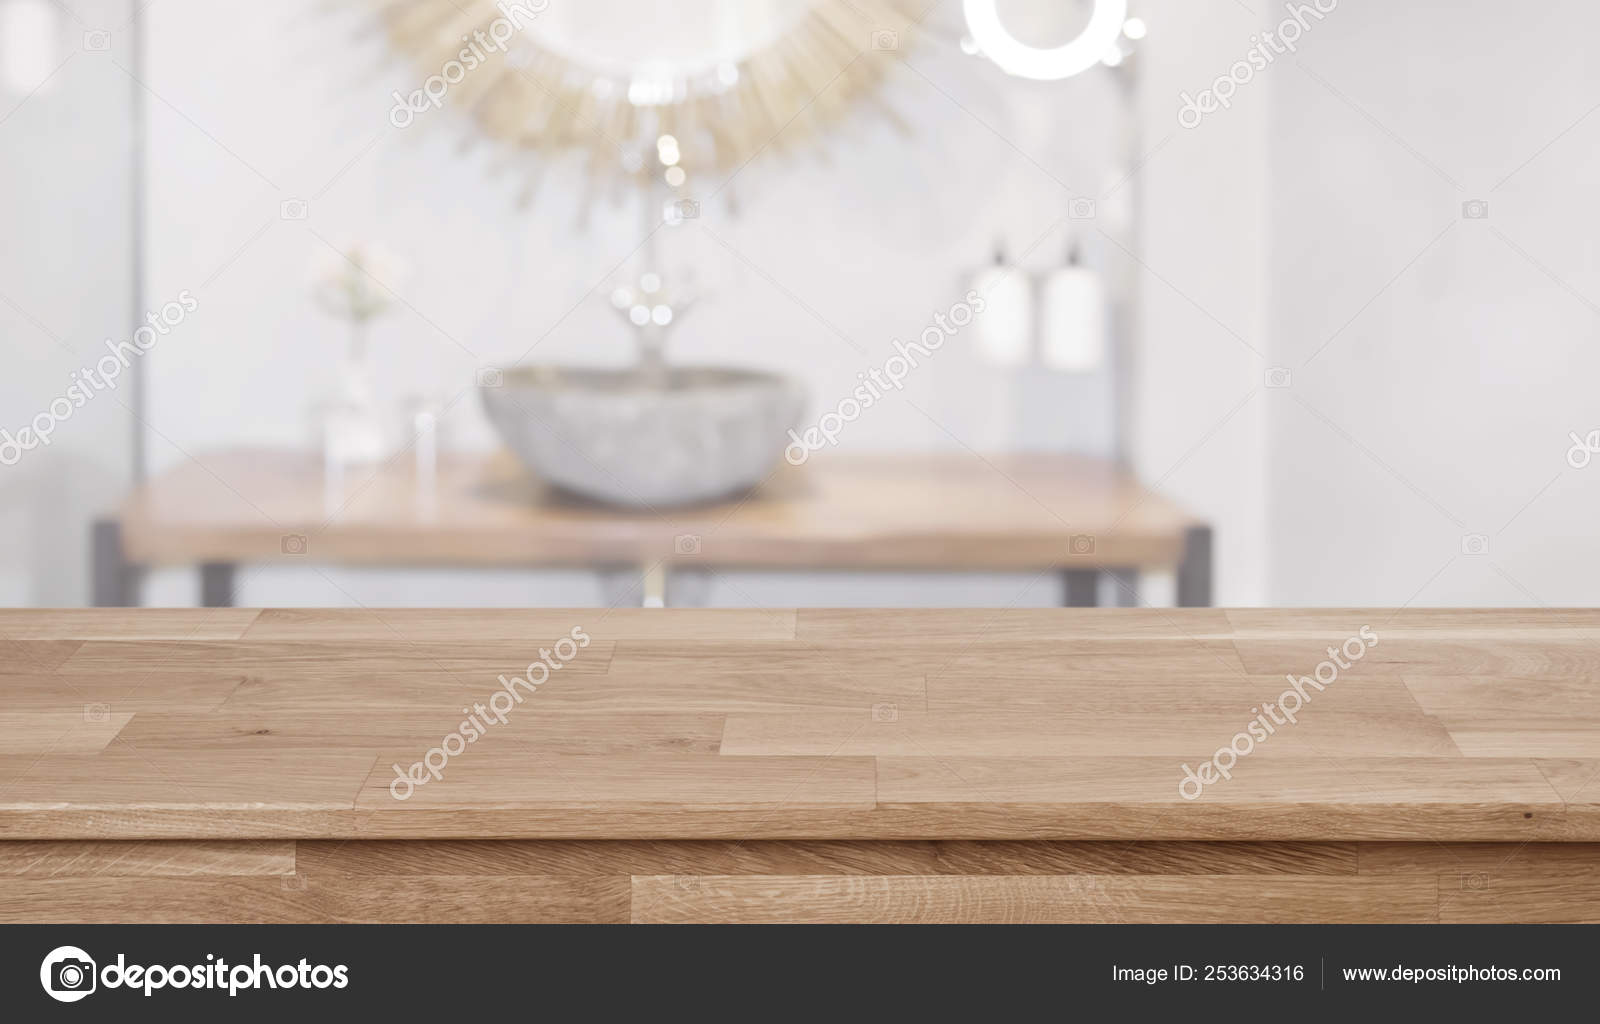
x,y
945,511
70,692
618,857
1335,624
1503,898
1479,858
1555,658
503,794
1212,690
662,689
535,625
296,899
1046,659
1572,734
888,730
126,793
1577,781
1496,696
33,656
820,857
127,623
86,730
135,859
1038,899
1276,799
1049,724
242,729
380,652
830,625
966,857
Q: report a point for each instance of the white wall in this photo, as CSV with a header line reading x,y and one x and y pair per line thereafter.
x,y
1462,351
1201,429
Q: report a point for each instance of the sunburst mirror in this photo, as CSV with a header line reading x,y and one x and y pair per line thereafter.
x,y
650,91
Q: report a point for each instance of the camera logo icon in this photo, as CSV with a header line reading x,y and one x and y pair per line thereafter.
x,y
68,974
885,712
292,209
294,544
491,377
97,712
1081,209
1277,377
1475,209
1474,544
688,209
1082,544
885,39
686,544
97,40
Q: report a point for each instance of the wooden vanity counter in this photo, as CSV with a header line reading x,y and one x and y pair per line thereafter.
x,y
815,765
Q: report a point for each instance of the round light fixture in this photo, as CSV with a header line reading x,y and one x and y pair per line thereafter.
x,y
1046,65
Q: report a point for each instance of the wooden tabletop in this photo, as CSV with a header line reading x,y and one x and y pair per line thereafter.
x,y
910,511
1048,723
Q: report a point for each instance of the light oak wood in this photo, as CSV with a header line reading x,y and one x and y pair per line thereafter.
x,y
23,656
128,623
473,899
797,765
906,511
154,690
825,625
909,732
1287,798
508,793
382,651
1473,858
819,724
241,728
86,731
1037,899
767,881
133,859
524,625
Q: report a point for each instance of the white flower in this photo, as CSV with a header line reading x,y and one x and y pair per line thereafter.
x,y
358,282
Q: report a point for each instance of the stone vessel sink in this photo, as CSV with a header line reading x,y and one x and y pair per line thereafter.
x,y
636,437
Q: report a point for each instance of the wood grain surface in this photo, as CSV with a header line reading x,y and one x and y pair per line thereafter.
x,y
765,881
811,724
820,765
905,511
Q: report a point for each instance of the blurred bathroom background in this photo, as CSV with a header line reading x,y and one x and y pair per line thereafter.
x,y
1351,316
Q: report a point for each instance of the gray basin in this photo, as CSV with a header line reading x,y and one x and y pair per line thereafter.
x,y
637,438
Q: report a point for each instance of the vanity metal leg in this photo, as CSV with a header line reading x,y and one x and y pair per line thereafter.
x,y
1082,588
1194,572
113,583
216,585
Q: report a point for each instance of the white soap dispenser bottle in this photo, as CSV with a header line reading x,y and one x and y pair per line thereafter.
x,y
1004,329
1072,317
